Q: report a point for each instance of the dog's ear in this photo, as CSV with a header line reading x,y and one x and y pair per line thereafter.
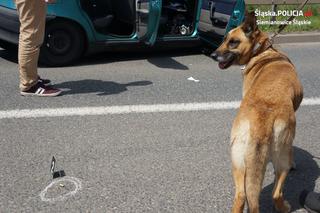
x,y
250,23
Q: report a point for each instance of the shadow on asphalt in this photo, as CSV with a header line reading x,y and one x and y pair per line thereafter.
x,y
304,177
167,63
160,58
97,86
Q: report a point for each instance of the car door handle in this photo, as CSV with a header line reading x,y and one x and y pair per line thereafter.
x,y
212,5
235,15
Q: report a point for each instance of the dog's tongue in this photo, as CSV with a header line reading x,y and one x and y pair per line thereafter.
x,y
222,65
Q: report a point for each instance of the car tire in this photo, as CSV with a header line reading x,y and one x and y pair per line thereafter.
x,y
64,43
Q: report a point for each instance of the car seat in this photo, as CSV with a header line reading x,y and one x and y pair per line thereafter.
x,y
99,11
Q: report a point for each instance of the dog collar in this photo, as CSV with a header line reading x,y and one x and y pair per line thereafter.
x,y
256,48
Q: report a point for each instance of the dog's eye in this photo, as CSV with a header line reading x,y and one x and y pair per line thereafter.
x,y
234,43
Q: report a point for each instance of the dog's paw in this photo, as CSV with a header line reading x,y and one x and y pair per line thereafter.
x,y
287,206
283,207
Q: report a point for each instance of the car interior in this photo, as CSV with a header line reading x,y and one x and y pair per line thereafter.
x,y
118,17
177,17
115,17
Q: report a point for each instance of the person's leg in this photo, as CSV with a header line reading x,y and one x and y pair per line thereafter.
x,y
32,16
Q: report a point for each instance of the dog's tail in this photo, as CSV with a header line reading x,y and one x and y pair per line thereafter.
x,y
256,162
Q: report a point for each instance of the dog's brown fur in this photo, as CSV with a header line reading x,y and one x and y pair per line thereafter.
x,y
264,127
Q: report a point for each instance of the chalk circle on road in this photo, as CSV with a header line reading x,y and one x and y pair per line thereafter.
x,y
61,189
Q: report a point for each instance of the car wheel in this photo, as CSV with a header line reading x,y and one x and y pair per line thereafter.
x,y
63,44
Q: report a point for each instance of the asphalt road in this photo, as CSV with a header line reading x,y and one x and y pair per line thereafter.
x,y
140,162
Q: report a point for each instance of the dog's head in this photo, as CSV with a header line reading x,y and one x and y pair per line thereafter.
x,y
239,44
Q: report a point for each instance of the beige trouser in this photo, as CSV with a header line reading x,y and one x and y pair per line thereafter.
x,y
32,15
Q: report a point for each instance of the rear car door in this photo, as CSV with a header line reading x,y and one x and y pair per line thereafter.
x,y
148,19
217,17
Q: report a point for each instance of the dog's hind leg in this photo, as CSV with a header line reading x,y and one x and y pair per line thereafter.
x,y
282,168
280,204
240,197
256,161
240,136
282,159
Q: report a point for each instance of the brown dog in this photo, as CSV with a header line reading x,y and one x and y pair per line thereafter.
x,y
264,128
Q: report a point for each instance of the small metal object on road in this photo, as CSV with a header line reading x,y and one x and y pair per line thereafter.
x,y
59,174
56,174
193,79
61,185
53,165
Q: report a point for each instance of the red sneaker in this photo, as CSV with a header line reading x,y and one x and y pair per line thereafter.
x,y
41,90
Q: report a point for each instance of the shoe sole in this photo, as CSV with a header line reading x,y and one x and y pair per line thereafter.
x,y
41,95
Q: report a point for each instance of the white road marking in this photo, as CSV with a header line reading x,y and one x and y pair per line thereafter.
x,y
193,79
72,180
129,109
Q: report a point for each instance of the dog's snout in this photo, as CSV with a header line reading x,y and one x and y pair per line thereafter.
x,y
217,56
214,56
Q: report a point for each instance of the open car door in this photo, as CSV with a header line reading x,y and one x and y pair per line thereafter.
x,y
217,17
148,19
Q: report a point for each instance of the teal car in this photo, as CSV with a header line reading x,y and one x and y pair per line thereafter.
x,y
75,28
